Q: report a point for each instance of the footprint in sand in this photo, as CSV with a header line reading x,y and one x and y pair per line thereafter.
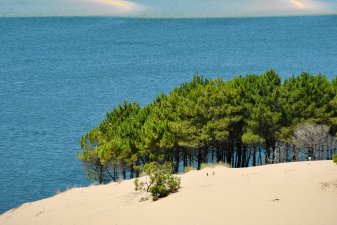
x,y
329,185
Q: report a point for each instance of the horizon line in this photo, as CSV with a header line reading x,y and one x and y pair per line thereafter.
x,y
168,17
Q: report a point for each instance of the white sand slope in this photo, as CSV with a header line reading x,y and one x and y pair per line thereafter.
x,y
283,194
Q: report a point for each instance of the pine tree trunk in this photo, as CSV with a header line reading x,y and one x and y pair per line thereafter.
x,y
260,155
199,160
254,155
176,161
124,173
131,171
100,174
267,156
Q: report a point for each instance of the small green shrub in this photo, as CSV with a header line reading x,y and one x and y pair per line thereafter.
x,y
163,184
139,185
335,158
161,181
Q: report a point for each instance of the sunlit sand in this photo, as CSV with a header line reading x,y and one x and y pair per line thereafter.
x,y
302,193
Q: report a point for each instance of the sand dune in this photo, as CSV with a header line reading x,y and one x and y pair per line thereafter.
x,y
283,194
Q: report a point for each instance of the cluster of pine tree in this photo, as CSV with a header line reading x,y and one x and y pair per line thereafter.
x,y
247,121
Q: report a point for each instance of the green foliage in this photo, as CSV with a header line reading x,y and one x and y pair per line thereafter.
x,y
250,138
335,158
90,158
139,185
160,183
307,97
161,180
233,121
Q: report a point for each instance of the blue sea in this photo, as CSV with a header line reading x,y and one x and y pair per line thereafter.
x,y
59,76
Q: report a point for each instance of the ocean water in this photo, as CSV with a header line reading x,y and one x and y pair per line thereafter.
x,y
59,76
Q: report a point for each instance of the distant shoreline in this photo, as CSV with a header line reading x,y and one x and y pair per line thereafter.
x,y
170,18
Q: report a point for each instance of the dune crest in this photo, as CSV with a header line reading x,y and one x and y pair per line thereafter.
x,y
290,193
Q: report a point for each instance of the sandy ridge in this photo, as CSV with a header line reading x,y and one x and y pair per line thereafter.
x,y
284,194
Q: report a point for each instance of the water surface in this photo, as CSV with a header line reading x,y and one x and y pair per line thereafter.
x,y
58,77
